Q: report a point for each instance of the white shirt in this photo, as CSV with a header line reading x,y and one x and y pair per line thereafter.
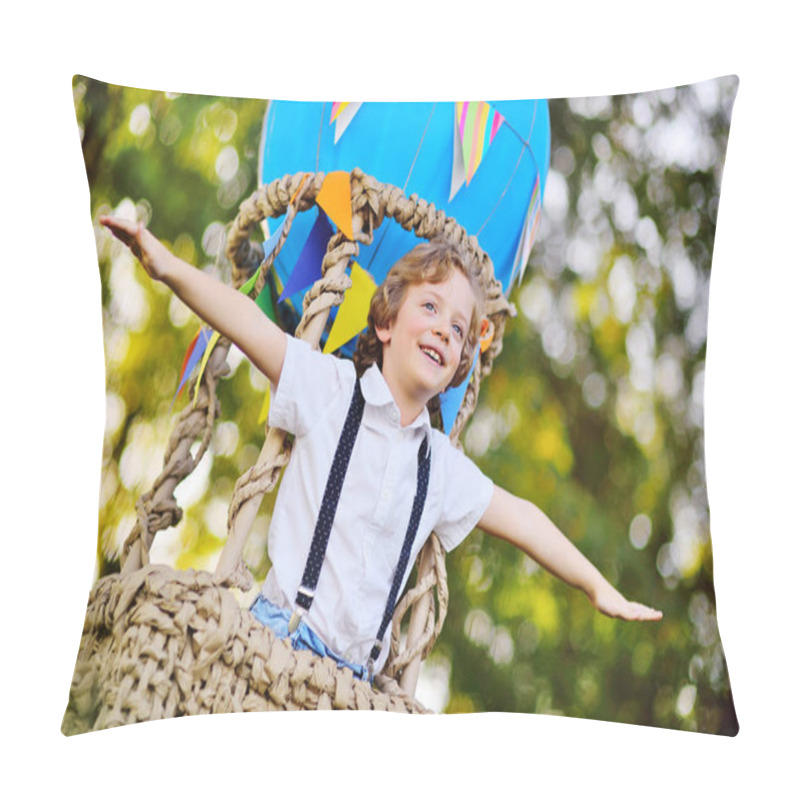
x,y
311,401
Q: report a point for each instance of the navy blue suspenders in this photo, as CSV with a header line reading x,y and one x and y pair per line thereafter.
x,y
330,501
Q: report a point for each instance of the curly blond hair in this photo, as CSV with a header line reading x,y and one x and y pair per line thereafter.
x,y
428,262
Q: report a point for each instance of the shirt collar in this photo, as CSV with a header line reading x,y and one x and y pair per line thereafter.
x,y
376,392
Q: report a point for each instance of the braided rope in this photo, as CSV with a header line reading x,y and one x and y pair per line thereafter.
x,y
431,584
158,509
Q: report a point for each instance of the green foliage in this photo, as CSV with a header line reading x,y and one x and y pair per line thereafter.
x,y
593,410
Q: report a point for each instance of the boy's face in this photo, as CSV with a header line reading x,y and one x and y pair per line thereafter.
x,y
422,346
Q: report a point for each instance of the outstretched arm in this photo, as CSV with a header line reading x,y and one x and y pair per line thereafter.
x,y
524,525
235,316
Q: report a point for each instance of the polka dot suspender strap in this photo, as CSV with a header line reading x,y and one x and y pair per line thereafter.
x,y
423,473
330,501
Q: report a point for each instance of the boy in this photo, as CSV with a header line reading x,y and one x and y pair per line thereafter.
x,y
328,591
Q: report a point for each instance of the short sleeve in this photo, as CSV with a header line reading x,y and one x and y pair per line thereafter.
x,y
466,494
310,381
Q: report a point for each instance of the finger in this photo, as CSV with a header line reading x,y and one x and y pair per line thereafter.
x,y
645,613
111,222
118,226
113,226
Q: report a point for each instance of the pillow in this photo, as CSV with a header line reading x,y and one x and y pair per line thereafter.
x,y
600,230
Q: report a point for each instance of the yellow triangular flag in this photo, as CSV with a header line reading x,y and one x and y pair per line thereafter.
x,y
264,413
211,343
336,109
351,318
334,200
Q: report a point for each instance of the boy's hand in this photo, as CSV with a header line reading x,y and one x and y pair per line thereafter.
x,y
607,600
152,255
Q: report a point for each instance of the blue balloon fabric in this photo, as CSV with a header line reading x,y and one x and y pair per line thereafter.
x,y
411,145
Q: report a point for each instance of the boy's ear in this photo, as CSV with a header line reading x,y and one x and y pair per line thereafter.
x,y
384,334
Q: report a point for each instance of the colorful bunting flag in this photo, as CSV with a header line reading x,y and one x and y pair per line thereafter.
x,y
451,399
525,245
186,358
264,413
193,354
272,242
206,355
342,114
264,301
487,334
336,109
269,246
248,285
351,316
334,199
476,126
309,263
457,176
299,187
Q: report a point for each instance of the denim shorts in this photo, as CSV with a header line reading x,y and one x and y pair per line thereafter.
x,y
303,638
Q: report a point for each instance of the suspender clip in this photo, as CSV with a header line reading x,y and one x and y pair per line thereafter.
x,y
302,602
294,620
373,657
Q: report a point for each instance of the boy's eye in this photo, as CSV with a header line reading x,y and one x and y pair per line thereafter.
x,y
429,306
459,331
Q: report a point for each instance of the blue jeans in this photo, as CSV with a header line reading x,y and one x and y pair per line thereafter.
x,y
303,638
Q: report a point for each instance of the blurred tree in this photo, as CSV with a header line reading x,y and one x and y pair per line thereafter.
x,y
593,411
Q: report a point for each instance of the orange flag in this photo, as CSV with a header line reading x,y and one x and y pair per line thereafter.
x,y
334,200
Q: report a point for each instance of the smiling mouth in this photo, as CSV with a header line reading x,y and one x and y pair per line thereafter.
x,y
433,356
